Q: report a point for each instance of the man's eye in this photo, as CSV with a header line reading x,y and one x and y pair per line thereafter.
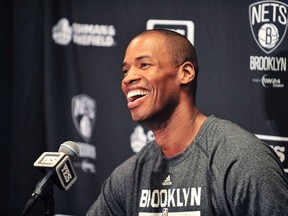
x,y
144,65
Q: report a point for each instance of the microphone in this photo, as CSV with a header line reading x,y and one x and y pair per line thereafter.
x,y
57,169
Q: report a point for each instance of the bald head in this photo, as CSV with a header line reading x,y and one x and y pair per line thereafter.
x,y
178,47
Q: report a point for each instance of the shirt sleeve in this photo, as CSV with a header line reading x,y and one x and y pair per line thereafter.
x,y
249,178
116,191
108,203
247,175
257,184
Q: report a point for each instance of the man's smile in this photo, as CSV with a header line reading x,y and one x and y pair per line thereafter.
x,y
134,97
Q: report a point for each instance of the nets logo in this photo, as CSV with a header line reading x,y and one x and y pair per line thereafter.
x,y
84,115
184,27
268,22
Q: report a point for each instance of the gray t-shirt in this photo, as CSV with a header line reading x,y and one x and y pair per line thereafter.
x,y
225,171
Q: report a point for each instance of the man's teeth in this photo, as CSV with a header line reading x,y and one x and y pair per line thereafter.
x,y
136,93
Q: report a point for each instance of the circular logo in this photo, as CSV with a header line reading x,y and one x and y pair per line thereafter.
x,y
268,35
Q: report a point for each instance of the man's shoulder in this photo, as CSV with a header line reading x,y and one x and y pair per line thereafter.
x,y
226,130
130,165
226,139
227,142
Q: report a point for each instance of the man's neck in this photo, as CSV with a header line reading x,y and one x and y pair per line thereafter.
x,y
180,131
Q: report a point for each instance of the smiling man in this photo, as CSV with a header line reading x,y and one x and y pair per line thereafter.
x,y
197,165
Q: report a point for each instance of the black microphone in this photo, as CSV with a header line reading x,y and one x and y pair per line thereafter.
x,y
57,169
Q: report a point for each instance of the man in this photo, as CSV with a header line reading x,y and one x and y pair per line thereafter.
x,y
197,165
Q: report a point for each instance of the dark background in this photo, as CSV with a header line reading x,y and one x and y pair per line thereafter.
x,y
39,78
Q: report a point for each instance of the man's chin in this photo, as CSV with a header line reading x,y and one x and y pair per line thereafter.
x,y
137,118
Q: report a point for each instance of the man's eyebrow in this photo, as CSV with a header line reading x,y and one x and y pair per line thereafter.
x,y
142,57
137,59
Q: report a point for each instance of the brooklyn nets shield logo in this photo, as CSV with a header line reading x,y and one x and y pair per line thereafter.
x,y
84,115
268,22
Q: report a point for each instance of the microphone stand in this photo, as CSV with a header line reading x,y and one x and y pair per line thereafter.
x,y
49,202
44,190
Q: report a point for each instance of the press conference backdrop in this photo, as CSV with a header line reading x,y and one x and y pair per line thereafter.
x,y
63,75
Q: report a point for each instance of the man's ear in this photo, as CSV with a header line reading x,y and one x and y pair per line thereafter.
x,y
187,72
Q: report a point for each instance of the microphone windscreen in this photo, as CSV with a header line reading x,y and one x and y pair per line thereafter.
x,y
70,148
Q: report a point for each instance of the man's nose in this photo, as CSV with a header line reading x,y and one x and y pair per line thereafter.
x,y
131,77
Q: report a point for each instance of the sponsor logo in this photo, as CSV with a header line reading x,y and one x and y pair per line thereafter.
x,y
84,115
268,22
269,82
98,35
62,32
167,181
184,27
139,139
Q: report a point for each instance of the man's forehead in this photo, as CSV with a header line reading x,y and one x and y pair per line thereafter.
x,y
144,46
147,39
